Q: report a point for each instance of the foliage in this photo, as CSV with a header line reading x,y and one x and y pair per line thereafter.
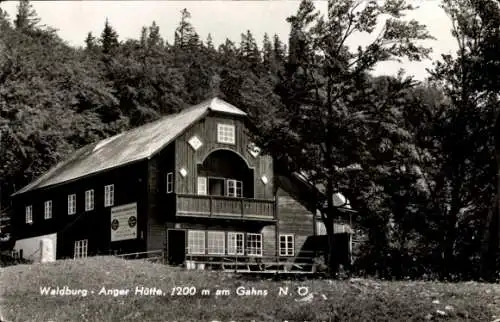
x,y
333,117
468,167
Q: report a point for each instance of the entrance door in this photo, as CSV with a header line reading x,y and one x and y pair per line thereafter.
x,y
216,186
176,246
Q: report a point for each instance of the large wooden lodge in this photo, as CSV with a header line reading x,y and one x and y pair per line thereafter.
x,y
191,184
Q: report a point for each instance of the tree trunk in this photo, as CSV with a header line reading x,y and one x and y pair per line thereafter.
x,y
331,257
491,241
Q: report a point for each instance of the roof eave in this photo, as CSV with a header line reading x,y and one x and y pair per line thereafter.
x,y
51,186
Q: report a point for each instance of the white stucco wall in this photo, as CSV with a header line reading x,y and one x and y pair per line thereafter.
x,y
31,246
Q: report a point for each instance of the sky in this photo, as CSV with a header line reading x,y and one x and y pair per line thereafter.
x,y
222,19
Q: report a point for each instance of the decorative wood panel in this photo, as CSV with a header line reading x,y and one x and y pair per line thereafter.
x,y
206,130
212,206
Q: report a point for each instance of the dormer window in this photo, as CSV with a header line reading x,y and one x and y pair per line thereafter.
x,y
225,133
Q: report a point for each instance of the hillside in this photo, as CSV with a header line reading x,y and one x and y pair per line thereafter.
x,y
355,300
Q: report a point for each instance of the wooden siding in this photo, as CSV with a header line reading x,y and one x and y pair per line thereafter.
x,y
206,131
95,225
295,219
161,206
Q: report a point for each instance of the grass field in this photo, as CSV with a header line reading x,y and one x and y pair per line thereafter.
x,y
319,300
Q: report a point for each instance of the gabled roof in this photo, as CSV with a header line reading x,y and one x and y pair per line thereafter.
x,y
131,146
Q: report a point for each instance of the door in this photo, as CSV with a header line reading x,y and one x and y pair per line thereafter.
x,y
176,243
216,186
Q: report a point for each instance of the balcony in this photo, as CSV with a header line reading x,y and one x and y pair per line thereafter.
x,y
225,207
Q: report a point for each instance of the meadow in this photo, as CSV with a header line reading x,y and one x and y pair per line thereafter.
x,y
111,289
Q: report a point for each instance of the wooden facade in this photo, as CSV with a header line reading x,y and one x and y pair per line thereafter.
x,y
93,225
195,196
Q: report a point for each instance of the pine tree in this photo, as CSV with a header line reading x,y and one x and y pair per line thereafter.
x,y
210,44
249,50
279,50
26,17
185,34
109,39
154,38
267,52
144,37
90,42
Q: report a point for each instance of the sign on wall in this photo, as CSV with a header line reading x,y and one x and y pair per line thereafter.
x,y
124,222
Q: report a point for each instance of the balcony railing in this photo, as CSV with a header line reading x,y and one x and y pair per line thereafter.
x,y
224,207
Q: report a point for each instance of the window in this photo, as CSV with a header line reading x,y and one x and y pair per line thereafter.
x,y
170,182
254,244
286,245
47,213
216,242
71,204
196,242
109,195
89,200
81,247
225,133
202,185
235,244
29,214
234,188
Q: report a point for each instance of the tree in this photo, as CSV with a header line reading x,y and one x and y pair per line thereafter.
x,y
90,42
26,17
154,38
210,43
109,39
267,52
469,163
329,104
249,51
185,34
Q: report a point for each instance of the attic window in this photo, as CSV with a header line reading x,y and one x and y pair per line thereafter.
x,y
225,133
195,142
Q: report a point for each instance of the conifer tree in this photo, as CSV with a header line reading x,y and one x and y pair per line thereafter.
x,y
90,42
109,38
185,34
267,52
26,17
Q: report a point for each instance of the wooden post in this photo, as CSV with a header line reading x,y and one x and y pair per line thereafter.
x,y
210,207
277,224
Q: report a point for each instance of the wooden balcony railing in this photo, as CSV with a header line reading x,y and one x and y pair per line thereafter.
x,y
223,207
